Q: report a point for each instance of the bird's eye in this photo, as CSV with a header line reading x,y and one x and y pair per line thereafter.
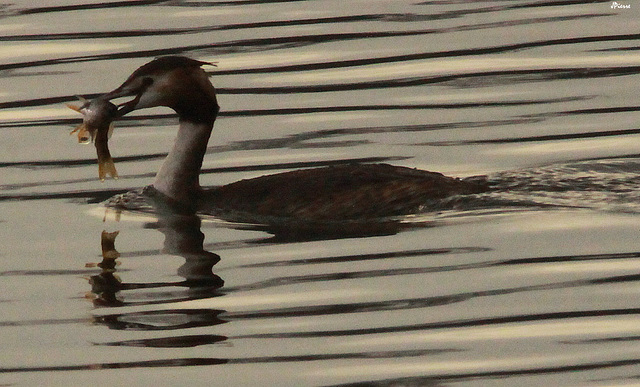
x,y
147,81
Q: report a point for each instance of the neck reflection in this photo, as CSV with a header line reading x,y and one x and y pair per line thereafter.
x,y
183,238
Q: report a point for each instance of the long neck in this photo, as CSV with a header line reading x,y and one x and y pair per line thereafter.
x,y
178,178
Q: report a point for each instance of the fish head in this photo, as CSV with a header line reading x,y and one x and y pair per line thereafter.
x,y
97,112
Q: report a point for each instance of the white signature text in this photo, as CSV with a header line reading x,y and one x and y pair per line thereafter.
x,y
616,5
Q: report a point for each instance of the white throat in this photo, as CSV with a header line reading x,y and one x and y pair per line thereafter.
x,y
178,177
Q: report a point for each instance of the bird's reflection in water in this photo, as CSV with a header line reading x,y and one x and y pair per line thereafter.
x,y
106,285
182,238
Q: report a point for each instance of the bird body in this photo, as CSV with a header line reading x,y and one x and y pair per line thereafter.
x,y
345,192
341,192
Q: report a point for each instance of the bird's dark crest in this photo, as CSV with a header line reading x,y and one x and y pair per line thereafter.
x,y
167,63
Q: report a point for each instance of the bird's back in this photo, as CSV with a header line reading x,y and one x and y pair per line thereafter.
x,y
344,192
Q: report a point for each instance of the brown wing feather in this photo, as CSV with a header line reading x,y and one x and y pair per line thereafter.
x,y
355,191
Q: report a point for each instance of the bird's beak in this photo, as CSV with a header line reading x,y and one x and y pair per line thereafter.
x,y
135,87
125,91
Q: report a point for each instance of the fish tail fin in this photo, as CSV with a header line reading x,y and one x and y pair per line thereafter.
x,y
107,167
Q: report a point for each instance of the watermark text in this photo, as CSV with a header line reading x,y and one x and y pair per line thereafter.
x,y
616,5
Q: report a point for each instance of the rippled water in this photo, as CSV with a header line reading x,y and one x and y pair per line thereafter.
x,y
534,284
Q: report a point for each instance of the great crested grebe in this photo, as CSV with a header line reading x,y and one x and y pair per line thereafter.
x,y
334,193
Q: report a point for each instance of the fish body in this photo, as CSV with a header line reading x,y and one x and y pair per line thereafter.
x,y
97,127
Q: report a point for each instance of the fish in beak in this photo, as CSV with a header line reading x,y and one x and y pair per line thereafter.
x,y
98,115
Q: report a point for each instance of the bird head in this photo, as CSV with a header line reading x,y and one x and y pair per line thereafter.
x,y
176,82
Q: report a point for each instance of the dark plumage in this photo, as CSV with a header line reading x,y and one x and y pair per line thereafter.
x,y
345,192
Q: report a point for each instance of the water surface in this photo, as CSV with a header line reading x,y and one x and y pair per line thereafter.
x,y
534,285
